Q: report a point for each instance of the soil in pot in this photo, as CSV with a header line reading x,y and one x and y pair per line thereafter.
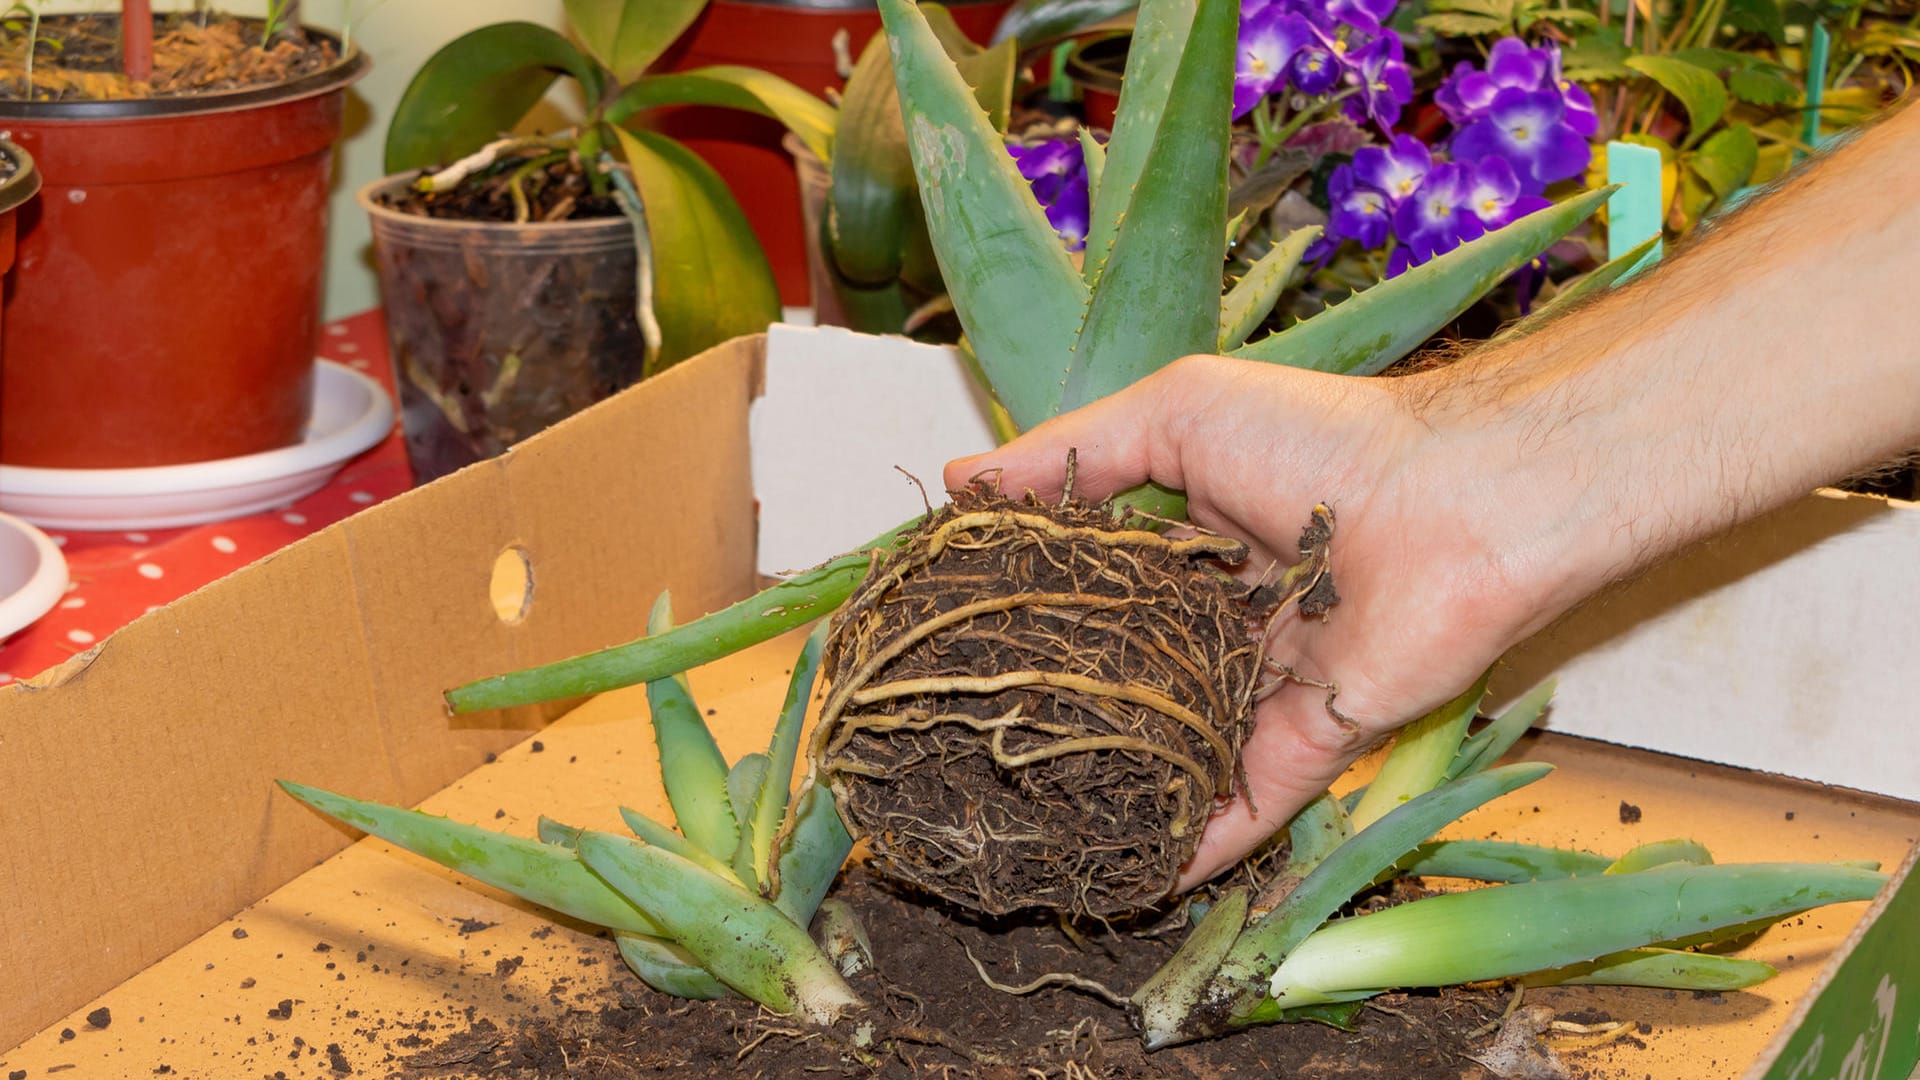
x,y
506,312
78,57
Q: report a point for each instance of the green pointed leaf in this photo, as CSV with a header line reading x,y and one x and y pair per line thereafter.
x,y
1762,86
692,769
1668,969
628,35
1484,747
1699,90
763,616
1153,55
1158,297
812,854
1727,159
1093,154
1035,24
1252,297
1518,929
1421,753
652,832
741,939
1599,55
1172,993
770,805
546,874
668,968
744,784
1019,298
1591,283
477,87
730,86
1316,832
1369,332
711,280
1498,860
1661,854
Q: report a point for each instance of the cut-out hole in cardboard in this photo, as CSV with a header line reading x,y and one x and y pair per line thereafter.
x,y
511,589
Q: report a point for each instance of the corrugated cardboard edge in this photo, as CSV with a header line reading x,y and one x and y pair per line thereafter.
x,y
124,833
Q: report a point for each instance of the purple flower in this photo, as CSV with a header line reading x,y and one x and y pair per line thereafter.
x,y
1395,171
1270,35
1580,114
1437,218
1056,170
1529,129
1358,211
1378,71
1316,67
1493,193
1368,15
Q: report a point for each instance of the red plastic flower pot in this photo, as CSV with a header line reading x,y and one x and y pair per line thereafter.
x,y
167,298
15,190
793,40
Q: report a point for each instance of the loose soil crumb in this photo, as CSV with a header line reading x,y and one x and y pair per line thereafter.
x,y
77,57
1629,813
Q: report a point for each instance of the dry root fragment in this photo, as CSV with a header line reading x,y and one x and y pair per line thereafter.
x,y
1037,706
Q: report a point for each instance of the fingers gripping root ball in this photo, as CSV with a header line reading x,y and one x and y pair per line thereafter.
x,y
1037,706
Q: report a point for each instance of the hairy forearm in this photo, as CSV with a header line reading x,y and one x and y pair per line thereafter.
x,y
1775,354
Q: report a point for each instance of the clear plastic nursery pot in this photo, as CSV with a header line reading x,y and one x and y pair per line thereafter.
x,y
500,330
167,297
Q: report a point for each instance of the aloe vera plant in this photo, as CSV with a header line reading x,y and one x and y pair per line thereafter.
x,y
719,906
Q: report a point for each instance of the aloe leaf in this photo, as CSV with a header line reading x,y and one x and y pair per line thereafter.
x,y
1153,55
741,939
711,279
770,805
652,832
744,784
1484,747
1667,969
1518,929
763,616
1367,333
1093,154
1499,860
628,35
1038,23
1316,832
731,86
1019,298
692,769
1158,296
1172,993
1661,854
1591,283
811,854
668,969
546,874
1421,753
478,86
1252,297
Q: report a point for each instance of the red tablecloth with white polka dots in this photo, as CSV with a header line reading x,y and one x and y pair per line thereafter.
x,y
118,576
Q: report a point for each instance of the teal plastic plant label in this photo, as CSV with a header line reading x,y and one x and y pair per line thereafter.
x,y
1865,1023
1634,211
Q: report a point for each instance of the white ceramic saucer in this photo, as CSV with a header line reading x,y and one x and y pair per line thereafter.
x,y
351,412
33,574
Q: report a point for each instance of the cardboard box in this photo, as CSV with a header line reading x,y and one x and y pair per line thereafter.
x,y
151,868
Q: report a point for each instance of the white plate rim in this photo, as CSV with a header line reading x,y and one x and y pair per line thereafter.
x,y
21,608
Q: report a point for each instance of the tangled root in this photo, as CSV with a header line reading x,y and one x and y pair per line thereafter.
x,y
1038,706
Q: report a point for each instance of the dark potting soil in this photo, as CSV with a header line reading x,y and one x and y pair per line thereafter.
x,y
932,1016
77,57
556,191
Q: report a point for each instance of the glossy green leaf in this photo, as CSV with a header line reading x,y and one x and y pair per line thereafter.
x,y
730,86
628,35
1727,159
1019,298
1484,747
1668,969
744,785
1036,24
1172,993
770,805
1422,752
692,769
1158,296
477,87
1661,854
1369,332
743,940
812,854
1153,55
1252,297
1498,860
1698,90
763,616
711,280
669,968
1517,929
546,874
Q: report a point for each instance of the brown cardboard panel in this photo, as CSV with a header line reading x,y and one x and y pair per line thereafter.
x,y
405,968
135,808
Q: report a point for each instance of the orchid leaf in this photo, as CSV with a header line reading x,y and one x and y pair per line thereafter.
x,y
476,88
669,969
1498,860
546,874
711,279
770,805
1669,969
744,784
1484,747
1698,90
730,86
1661,854
743,940
627,36
1421,753
1039,23
763,616
1019,298
691,766
812,854
1158,296
1378,326
1252,297
1153,55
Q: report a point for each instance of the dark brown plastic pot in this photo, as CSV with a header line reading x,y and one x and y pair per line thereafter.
x,y
500,330
1095,66
794,41
167,298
